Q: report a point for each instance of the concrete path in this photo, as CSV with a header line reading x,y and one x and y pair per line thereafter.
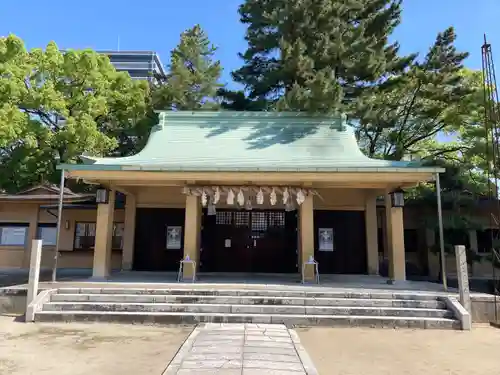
x,y
242,349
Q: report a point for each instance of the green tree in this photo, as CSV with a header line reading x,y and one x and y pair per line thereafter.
x,y
59,104
193,78
317,55
191,83
406,113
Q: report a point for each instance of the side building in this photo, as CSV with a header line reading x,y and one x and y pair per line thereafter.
x,y
142,65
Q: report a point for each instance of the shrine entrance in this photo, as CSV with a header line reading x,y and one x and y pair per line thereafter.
x,y
256,241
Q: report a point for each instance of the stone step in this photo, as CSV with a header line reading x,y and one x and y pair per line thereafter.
x,y
247,309
254,293
248,300
289,320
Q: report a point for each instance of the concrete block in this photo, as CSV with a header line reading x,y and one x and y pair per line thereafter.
x,y
460,313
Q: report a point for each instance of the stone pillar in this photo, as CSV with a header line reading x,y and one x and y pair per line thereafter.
x,y
103,237
129,235
306,230
192,228
395,241
32,235
371,234
463,277
33,278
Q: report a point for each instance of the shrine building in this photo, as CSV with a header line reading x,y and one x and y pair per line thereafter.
x,y
250,192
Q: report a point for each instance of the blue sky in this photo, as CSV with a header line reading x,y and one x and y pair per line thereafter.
x,y
156,25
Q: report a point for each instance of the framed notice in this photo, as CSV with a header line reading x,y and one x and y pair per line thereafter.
x,y
174,236
325,238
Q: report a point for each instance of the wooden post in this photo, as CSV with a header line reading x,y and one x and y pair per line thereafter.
x,y
371,234
103,237
129,235
306,220
395,241
192,227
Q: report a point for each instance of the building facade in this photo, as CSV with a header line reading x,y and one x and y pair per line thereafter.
x,y
251,192
142,65
236,192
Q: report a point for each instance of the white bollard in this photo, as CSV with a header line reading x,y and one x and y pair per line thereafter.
x,y
34,275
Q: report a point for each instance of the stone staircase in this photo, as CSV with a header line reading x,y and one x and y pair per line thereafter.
x,y
293,308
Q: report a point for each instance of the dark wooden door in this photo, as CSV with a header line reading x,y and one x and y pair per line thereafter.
x,y
274,241
226,242
349,240
151,252
249,241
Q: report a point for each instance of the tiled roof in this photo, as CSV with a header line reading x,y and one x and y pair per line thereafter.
x,y
249,141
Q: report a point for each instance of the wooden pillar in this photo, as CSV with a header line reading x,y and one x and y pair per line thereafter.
x,y
129,235
103,237
192,228
306,228
395,241
32,234
371,234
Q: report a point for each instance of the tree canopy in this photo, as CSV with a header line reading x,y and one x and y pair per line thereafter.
x,y
58,105
322,56
309,55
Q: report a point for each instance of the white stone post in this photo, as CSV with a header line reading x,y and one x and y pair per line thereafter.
x,y
463,277
34,275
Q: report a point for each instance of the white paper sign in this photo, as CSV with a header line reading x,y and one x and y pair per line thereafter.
x,y
227,243
325,239
174,237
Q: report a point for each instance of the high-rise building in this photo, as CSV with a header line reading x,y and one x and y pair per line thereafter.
x,y
139,64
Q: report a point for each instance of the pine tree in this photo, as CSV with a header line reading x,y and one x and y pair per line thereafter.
x,y
316,55
190,84
192,80
406,113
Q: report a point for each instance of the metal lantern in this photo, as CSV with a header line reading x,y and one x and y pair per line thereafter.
x,y
102,195
397,198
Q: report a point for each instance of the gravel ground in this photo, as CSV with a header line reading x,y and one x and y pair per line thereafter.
x,y
354,351
78,349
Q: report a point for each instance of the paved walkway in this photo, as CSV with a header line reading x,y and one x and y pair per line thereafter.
x,y
242,349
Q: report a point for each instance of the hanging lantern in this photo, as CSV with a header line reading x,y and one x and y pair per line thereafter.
x,y
286,195
289,206
102,195
397,198
301,197
272,198
241,198
248,205
230,197
260,197
204,198
216,195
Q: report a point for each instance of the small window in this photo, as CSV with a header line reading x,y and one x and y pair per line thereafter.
x,y
47,233
13,234
85,235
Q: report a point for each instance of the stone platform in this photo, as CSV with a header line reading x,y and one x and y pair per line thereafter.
x,y
293,307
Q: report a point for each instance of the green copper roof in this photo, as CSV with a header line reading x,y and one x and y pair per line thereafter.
x,y
248,141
